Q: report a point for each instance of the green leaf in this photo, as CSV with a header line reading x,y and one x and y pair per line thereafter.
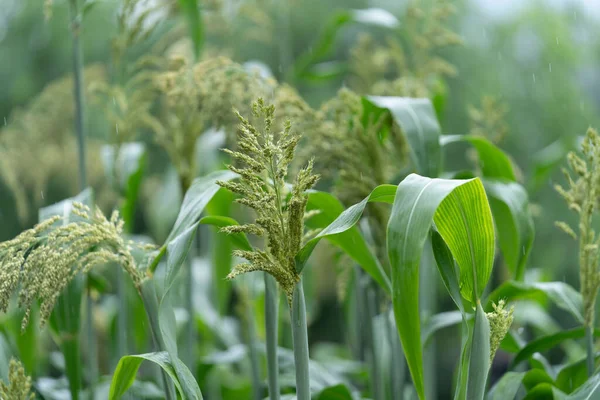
x,y
588,391
479,362
468,232
544,391
418,123
340,230
197,197
239,239
514,224
494,162
548,342
560,293
337,392
191,12
127,369
507,387
447,269
177,250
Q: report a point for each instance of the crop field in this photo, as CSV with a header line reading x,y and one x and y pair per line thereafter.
x,y
299,199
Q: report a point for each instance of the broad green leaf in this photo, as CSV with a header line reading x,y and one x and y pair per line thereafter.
x,y
479,362
463,219
514,224
338,392
588,391
127,369
239,239
548,342
507,387
536,376
494,162
560,293
196,198
340,230
191,12
419,125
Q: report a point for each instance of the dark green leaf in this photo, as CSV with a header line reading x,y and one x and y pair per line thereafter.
x,y
239,239
191,12
588,391
338,392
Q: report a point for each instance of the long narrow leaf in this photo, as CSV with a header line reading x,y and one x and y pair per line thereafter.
x,y
479,362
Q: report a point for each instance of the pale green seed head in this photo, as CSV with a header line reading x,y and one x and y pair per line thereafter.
x,y
19,384
262,161
500,321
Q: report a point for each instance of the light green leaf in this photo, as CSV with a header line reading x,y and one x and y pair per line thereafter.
x,y
340,230
463,218
510,206
560,293
507,387
127,369
479,363
418,123
196,198
494,162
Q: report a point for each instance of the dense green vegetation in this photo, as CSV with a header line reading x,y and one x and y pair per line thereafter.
x,y
298,199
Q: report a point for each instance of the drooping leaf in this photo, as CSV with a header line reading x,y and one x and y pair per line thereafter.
x,y
548,342
196,198
127,369
339,229
510,206
463,218
494,163
419,125
560,293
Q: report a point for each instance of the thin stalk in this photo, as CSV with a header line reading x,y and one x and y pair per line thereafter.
x,y
271,327
376,387
589,346
398,368
76,19
300,340
189,337
253,354
150,300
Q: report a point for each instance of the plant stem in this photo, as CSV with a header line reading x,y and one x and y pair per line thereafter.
x,y
150,300
254,364
376,388
76,19
271,319
300,340
589,345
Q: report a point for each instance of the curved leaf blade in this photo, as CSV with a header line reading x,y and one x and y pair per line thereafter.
x,y
340,230
494,162
239,239
468,232
127,369
507,387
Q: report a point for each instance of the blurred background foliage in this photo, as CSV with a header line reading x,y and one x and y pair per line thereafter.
x,y
533,63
